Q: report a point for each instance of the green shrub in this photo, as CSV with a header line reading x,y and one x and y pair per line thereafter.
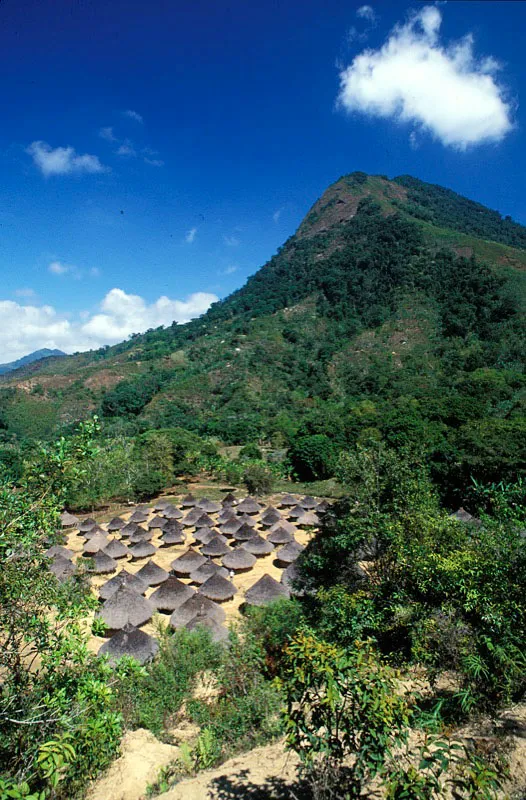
x,y
312,457
250,452
259,479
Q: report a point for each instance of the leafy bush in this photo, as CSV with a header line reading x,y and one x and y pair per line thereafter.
x,y
250,452
312,457
258,478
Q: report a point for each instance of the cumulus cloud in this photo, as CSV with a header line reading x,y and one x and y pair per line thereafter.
x,y
126,149
190,235
441,89
60,268
367,13
107,134
25,328
134,115
62,160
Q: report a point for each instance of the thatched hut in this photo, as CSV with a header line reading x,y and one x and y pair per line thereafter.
x,y
203,535
123,578
189,501
94,531
86,524
132,642
128,529
68,520
258,546
229,500
160,504
249,506
218,589
171,512
202,574
244,533
308,503
270,516
156,523
102,564
239,560
309,520
225,515
246,519
230,527
59,550
140,535
116,524
139,516
197,604
98,542
289,553
295,513
116,549
173,525
152,574
62,568
209,506
289,578
288,501
125,607
287,526
322,506
188,563
170,538
142,550
218,633
215,547
204,521
191,518
171,594
264,591
280,536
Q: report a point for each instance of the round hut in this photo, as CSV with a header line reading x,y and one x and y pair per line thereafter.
x,y
188,563
142,550
171,594
116,524
202,574
59,550
86,525
189,501
258,546
132,642
270,516
62,568
218,589
218,633
238,560
229,500
244,533
249,506
209,506
102,564
264,591
288,553
169,538
171,512
128,529
156,523
197,604
288,501
125,607
215,547
116,549
139,516
308,503
123,578
68,520
230,527
98,542
152,574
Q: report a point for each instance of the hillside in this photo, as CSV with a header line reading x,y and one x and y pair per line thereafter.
x,y
395,311
37,355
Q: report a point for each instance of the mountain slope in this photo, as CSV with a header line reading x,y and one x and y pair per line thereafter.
x,y
37,355
370,321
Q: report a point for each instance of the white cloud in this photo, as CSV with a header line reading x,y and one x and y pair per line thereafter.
x,y
60,268
366,12
154,162
230,270
25,328
133,115
107,134
62,160
440,89
190,236
277,214
231,241
27,293
126,149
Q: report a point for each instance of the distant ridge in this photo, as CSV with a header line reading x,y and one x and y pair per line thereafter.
x,y
36,356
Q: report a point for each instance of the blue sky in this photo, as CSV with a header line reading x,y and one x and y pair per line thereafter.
x,y
156,154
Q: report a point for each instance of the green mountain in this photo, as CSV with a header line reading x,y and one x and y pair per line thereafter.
x,y
395,313
37,355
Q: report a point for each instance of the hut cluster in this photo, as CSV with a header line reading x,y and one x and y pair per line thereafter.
x,y
212,543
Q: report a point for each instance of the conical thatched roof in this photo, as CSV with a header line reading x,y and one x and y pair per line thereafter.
x,y
197,604
202,574
59,550
217,632
308,503
139,516
192,517
280,536
189,501
152,574
129,528
289,576
230,527
171,594
239,560
160,504
270,516
244,533
169,538
309,520
116,549
173,525
258,546
102,563
289,553
124,578
125,607
229,500
98,542
203,535
171,512
204,521
68,520
140,535
245,519
86,524
142,550
462,515
215,547
217,588
130,642
93,532
156,523
116,524
322,506
288,501
296,512
287,526
264,591
210,506
225,515
249,506
62,568
188,562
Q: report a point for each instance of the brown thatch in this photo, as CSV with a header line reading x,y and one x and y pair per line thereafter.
x,y
68,520
218,633
189,501
322,506
202,574
125,607
244,533
188,562
140,535
462,515
215,547
288,501
245,519
230,527
287,526
295,513
270,516
98,542
139,516
249,506
62,568
116,549
86,524
171,512
173,525
218,589
160,504
225,515
59,550
86,535
309,520
289,578
197,604
203,535
170,538
280,536
239,560
130,642
142,550
152,574
156,523
116,524
192,517
258,546
122,579
308,503
210,506
204,521
264,591
229,500
171,594
128,529
102,564
289,553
